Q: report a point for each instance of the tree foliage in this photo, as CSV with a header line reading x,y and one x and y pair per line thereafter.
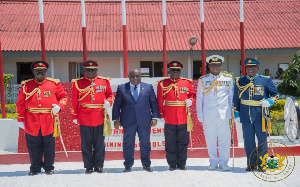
x,y
291,78
7,79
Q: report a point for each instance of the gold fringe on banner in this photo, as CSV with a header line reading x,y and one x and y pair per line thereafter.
x,y
189,120
263,124
56,131
269,127
106,124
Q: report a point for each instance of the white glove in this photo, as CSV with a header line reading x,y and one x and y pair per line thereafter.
x,y
162,120
237,120
55,108
21,125
188,102
75,121
106,104
265,104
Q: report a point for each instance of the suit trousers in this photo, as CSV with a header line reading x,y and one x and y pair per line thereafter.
x,y
177,140
92,146
37,146
217,130
249,131
129,143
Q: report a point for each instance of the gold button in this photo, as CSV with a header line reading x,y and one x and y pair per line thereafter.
x,y
40,105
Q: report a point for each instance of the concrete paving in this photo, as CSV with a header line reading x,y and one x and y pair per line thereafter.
x,y
72,174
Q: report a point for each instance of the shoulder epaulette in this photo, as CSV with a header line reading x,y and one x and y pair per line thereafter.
x,y
25,81
187,79
162,79
53,80
106,78
265,76
204,76
73,80
228,75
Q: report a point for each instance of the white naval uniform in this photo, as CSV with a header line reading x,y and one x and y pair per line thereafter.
x,y
214,111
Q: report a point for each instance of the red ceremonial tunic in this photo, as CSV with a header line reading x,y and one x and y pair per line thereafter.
x,y
86,91
40,95
175,115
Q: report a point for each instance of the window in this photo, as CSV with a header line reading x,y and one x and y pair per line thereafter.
x,y
24,72
75,70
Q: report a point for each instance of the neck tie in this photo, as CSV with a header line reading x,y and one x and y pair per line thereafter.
x,y
135,93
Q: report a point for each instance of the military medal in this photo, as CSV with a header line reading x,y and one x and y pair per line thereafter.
x,y
93,84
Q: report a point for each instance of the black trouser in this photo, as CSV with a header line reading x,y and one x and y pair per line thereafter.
x,y
177,140
92,146
37,145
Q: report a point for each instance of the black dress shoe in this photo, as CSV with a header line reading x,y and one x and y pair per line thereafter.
x,y
250,168
148,168
127,169
172,168
182,167
49,172
99,170
88,171
32,173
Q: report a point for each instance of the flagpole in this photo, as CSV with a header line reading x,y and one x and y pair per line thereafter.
x,y
164,38
2,85
83,31
242,38
124,38
202,37
42,29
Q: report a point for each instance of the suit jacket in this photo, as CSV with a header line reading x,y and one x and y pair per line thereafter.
x,y
263,88
129,112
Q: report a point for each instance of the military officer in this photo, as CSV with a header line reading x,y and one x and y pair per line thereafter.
x,y
91,94
253,95
174,95
39,102
214,109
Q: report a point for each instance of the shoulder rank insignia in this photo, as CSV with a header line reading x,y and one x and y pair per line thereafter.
x,y
265,76
106,78
56,81
25,81
227,75
74,80
162,79
186,79
204,76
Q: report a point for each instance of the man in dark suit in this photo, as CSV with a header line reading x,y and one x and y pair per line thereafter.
x,y
135,109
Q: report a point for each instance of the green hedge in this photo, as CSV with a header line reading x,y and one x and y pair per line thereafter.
x,y
9,108
9,115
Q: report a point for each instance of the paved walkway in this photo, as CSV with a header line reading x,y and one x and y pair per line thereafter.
x,y
72,174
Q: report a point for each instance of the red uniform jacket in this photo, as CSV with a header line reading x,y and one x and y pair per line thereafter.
x,y
175,115
86,91
34,94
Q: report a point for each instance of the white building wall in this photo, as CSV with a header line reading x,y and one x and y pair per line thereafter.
x,y
110,66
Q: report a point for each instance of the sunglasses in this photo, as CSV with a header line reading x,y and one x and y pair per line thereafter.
x,y
175,70
215,65
135,76
251,67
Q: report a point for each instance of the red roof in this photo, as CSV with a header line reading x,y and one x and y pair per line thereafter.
x,y
268,25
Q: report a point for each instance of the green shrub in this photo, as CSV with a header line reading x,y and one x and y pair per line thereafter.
x,y
7,79
279,105
10,115
9,108
291,78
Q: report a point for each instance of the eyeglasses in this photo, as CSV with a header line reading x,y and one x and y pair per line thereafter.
x,y
135,76
215,65
175,70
